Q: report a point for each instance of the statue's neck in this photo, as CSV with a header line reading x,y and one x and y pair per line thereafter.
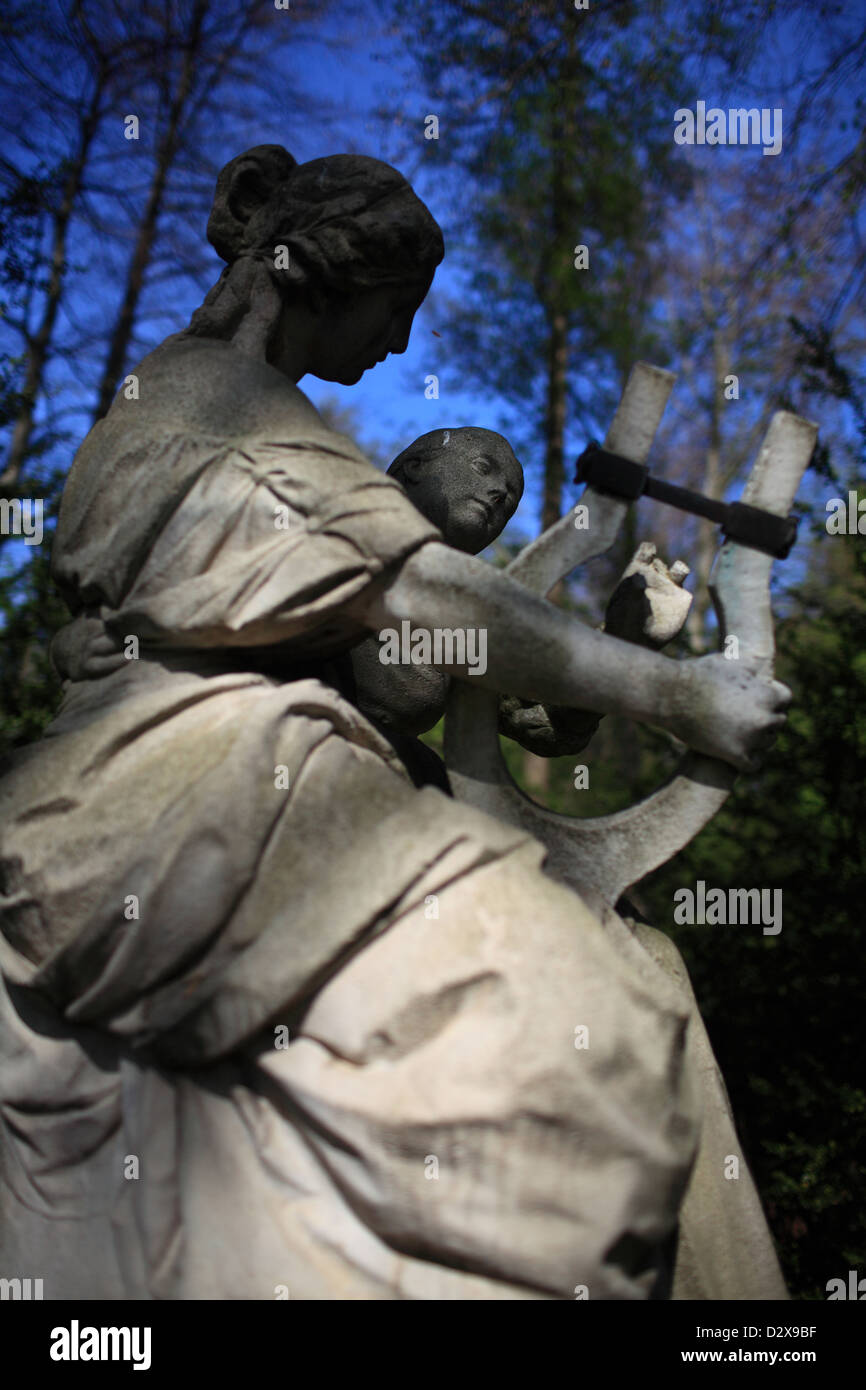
x,y
246,309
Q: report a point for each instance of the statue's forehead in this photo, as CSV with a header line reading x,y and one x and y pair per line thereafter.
x,y
472,439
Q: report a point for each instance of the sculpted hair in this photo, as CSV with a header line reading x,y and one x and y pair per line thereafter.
x,y
347,223
424,450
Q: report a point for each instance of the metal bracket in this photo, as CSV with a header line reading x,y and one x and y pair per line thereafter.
x,y
750,526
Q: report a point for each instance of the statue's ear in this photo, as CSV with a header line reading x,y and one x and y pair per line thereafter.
x,y
413,468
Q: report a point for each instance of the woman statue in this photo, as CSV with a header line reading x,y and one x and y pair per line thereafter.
x,y
275,1021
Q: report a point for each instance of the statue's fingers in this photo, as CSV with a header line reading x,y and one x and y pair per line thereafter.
x,y
782,696
678,571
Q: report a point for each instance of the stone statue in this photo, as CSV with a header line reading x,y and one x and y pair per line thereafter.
x,y
468,482
274,1020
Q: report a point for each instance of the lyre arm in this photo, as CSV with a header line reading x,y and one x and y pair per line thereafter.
x,y
532,648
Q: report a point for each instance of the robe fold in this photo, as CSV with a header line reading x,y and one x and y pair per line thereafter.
x,y
273,1022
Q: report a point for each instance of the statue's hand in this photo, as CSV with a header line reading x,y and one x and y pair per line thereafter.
x,y
649,604
548,731
728,712
648,607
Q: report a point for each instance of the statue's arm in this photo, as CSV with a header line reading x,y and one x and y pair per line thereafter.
x,y
539,653
648,607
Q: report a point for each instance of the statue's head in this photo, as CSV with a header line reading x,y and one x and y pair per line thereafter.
x,y
342,239
466,481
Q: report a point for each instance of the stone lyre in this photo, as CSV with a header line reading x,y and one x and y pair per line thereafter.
x,y
602,857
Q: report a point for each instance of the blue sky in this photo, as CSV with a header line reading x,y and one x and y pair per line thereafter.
x,y
370,69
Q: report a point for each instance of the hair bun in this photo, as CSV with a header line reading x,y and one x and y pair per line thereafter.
x,y
246,181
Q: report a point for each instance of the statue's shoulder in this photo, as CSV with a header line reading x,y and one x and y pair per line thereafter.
x,y
202,385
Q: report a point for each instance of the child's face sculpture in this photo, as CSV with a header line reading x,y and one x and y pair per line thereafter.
x,y
466,481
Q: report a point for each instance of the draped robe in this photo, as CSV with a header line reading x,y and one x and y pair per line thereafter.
x,y
272,1021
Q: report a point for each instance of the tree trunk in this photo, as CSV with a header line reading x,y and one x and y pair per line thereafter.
x,y
167,150
696,624
554,424
40,343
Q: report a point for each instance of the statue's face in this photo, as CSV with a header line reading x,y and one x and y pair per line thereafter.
x,y
470,488
352,335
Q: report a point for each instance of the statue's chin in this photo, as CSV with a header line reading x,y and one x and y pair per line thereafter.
x,y
468,536
343,378
470,542
350,374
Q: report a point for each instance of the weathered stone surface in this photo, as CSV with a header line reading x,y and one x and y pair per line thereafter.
x,y
649,605
256,987
468,483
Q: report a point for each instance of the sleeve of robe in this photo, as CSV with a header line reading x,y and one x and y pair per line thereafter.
x,y
204,543
451,1037
157,875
